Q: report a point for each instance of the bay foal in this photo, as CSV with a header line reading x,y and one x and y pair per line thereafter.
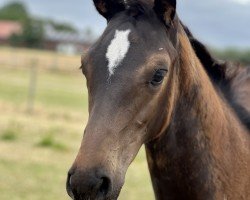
x,y
147,86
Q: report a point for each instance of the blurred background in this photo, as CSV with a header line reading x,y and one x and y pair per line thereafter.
x,y
43,98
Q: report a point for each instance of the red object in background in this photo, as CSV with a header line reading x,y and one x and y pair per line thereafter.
x,y
7,28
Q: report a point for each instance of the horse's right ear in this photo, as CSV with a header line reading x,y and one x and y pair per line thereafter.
x,y
166,10
108,8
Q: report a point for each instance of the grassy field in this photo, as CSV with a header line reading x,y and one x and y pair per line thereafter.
x,y
37,149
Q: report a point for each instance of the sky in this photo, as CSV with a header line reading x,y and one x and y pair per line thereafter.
x,y
217,23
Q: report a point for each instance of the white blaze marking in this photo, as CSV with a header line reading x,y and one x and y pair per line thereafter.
x,y
117,50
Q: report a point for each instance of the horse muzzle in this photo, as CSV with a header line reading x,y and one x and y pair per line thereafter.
x,y
90,185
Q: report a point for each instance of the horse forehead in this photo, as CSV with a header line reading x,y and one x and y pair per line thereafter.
x,y
117,49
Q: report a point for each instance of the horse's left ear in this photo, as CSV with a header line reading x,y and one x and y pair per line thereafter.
x,y
108,8
166,10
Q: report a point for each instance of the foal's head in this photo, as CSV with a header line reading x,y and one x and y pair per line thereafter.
x,y
130,78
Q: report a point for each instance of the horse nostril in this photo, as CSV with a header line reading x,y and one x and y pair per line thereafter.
x,y
105,185
69,185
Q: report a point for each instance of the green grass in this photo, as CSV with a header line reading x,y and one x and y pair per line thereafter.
x,y
9,135
49,141
53,90
36,150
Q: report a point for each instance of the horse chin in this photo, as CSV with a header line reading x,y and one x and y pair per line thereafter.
x,y
114,194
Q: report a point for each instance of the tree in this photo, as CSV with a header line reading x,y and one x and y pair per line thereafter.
x,y
32,35
61,26
15,11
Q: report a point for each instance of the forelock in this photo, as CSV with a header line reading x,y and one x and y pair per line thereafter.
x,y
136,8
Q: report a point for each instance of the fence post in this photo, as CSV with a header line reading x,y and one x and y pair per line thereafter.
x,y
32,85
54,63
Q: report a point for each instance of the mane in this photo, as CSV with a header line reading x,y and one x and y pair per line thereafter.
x,y
223,75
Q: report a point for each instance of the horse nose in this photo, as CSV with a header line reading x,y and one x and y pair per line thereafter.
x,y
88,185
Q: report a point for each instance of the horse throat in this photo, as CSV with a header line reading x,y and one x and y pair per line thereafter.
x,y
196,157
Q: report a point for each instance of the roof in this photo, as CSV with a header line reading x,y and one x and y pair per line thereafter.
x,y
53,35
7,28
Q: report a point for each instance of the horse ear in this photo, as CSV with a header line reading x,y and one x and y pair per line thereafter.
x,y
166,10
108,8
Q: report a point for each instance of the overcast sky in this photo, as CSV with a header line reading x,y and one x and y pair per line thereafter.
x,y
219,23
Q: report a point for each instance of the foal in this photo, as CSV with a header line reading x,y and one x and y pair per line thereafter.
x,y
147,86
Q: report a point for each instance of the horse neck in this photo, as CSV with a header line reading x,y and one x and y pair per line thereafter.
x,y
195,147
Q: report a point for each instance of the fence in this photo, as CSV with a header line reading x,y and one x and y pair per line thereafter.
x,y
45,60
34,61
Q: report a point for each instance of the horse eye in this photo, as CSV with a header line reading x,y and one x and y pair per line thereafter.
x,y
158,77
